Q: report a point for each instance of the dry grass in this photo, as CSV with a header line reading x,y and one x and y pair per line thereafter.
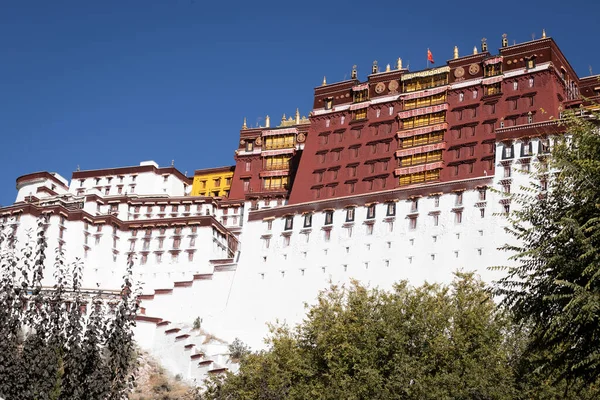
x,y
153,382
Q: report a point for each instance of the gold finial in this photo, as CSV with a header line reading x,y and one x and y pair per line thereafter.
x,y
267,122
244,126
354,72
504,40
543,34
375,68
475,50
388,68
324,81
297,116
455,52
283,118
484,47
399,63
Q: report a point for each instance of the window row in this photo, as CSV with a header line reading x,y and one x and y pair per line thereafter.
x,y
161,231
160,243
338,137
109,179
354,151
526,149
362,114
216,182
159,257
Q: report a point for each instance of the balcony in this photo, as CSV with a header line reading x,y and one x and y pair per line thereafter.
x,y
277,146
423,110
419,168
277,167
418,149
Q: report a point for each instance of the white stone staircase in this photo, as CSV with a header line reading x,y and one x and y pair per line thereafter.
x,y
164,326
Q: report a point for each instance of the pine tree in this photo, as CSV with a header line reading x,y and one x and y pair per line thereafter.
x,y
554,285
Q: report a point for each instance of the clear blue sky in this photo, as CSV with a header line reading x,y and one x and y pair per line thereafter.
x,y
107,83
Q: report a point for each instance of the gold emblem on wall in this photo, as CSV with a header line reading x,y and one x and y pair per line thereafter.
x,y
258,141
301,138
473,69
380,88
459,72
393,86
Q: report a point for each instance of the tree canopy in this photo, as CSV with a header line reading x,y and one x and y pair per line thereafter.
x,y
430,342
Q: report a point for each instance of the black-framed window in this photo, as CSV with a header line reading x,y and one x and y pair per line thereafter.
x,y
526,149
289,222
308,220
391,209
350,214
508,152
328,217
371,211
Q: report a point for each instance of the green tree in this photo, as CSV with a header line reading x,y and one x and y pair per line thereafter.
x,y
430,342
553,285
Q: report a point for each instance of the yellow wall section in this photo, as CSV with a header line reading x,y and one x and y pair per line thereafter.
x,y
212,184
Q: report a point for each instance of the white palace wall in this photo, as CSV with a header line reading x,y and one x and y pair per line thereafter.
x,y
278,268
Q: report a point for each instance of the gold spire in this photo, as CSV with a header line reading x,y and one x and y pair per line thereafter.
x,y
484,46
543,34
475,50
504,40
267,122
297,116
399,63
374,68
324,81
283,118
244,126
455,52
388,68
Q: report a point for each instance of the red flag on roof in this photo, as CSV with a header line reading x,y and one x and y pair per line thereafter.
x,y
429,56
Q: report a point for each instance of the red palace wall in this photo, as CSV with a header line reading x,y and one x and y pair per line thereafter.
x,y
354,146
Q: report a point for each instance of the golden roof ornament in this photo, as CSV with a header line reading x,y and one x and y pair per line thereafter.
x,y
244,126
283,118
475,50
388,68
484,46
399,63
455,52
374,68
543,34
324,81
267,122
297,116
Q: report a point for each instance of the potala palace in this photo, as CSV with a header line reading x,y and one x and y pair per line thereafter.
x,y
402,176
